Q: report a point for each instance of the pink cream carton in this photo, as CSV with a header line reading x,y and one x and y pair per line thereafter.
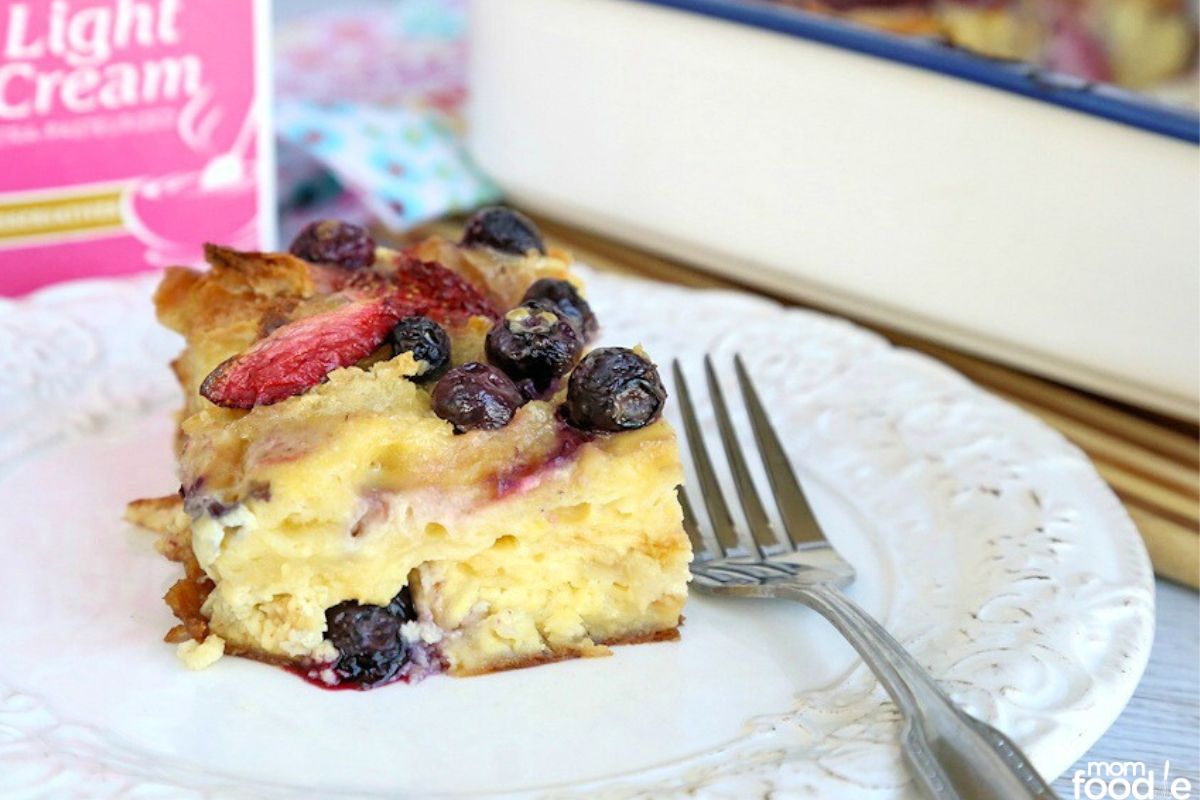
x,y
131,132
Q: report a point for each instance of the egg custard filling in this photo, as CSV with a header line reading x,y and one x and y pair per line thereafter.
x,y
394,463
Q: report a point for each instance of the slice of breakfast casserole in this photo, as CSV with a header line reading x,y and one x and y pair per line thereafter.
x,y
395,463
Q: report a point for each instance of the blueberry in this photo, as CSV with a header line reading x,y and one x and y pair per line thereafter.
x,y
402,605
370,648
426,340
614,389
329,241
502,229
534,343
566,299
476,396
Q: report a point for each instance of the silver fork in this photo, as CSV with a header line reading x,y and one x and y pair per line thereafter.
x,y
951,755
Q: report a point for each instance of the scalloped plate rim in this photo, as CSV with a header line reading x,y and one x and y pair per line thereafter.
x,y
1131,552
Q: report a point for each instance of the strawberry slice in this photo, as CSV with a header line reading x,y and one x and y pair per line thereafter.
x,y
429,289
424,287
297,356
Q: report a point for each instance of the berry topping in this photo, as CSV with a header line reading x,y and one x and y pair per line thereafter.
x,y
370,647
297,356
614,389
329,241
426,340
566,298
429,289
402,605
502,229
534,342
476,397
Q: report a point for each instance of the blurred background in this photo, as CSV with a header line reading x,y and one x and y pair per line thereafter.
x,y
1010,185
916,164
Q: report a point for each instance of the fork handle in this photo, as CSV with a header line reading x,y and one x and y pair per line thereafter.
x,y
952,755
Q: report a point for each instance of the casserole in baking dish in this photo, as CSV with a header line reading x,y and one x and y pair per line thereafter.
x,y
1028,217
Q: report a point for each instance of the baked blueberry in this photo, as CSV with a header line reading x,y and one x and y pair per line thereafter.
x,y
370,647
426,340
476,396
566,298
503,229
534,342
330,241
402,605
614,389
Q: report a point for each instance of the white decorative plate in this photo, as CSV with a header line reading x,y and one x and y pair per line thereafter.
x,y
984,541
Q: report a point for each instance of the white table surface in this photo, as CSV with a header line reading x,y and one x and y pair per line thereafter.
x,y
1162,721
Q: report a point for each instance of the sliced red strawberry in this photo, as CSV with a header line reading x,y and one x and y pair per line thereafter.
x,y
429,289
423,287
297,356
330,280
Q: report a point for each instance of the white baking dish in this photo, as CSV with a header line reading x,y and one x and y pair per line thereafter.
x,y
1032,232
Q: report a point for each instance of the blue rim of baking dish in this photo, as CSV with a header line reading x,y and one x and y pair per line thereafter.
x,y
1099,100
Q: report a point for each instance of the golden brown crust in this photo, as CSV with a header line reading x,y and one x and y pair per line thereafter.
x,y
164,516
261,656
186,599
264,274
239,287
178,635
158,514
172,296
592,651
503,278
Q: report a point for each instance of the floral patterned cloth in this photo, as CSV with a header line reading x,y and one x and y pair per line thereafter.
x,y
368,113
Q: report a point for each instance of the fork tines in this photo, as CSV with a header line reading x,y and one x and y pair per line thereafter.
x,y
798,520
